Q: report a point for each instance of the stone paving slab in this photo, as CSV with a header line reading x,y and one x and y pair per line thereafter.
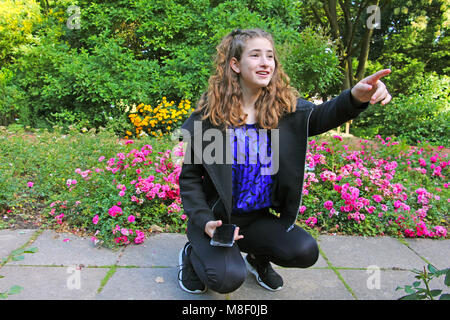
x,y
158,250
299,284
60,249
11,240
149,271
365,286
362,252
436,252
52,283
149,284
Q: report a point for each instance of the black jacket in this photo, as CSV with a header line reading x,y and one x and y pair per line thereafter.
x,y
206,189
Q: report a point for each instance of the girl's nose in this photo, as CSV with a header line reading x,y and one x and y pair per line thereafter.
x,y
264,61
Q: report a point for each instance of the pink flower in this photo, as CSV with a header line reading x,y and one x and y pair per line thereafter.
x,y
311,221
377,198
422,162
101,159
421,229
409,233
183,217
328,204
30,184
131,218
302,209
114,211
95,219
139,237
440,231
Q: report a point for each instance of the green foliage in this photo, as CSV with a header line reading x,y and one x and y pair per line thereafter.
x,y
422,115
135,52
311,63
416,292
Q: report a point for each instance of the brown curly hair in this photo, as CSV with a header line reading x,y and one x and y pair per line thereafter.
x,y
222,102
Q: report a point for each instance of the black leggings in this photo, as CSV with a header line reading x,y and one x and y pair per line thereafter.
x,y
223,269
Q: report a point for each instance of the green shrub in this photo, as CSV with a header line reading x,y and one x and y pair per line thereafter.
x,y
423,115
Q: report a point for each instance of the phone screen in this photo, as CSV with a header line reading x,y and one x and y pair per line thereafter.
x,y
223,236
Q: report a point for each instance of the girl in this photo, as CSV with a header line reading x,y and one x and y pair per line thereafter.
x,y
250,93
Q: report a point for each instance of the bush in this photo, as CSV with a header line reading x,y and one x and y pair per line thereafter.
x,y
158,121
133,51
420,116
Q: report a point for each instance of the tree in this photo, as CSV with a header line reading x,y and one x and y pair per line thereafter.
x,y
17,19
350,25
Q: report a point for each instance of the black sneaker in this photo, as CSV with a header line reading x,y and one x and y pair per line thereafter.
x,y
187,278
264,273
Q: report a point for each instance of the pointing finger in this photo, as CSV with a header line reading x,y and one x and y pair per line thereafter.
x,y
372,79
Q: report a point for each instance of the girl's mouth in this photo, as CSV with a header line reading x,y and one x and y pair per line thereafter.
x,y
263,74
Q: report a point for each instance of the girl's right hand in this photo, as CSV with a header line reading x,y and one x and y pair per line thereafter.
x,y
211,226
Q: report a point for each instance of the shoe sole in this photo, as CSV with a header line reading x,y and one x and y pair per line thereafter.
x,y
255,273
180,275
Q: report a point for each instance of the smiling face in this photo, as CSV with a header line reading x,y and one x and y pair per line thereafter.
x,y
257,64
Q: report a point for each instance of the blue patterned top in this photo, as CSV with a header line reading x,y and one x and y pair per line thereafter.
x,y
251,185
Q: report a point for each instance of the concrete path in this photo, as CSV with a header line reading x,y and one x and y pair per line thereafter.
x,y
67,267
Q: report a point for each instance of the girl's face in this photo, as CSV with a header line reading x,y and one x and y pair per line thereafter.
x,y
257,64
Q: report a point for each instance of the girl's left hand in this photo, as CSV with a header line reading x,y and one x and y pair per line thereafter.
x,y
372,89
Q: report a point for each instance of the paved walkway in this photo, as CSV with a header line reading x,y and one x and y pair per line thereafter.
x,y
65,266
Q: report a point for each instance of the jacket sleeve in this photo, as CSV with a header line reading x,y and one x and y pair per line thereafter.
x,y
334,113
192,194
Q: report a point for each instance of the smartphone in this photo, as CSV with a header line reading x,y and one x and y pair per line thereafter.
x,y
223,236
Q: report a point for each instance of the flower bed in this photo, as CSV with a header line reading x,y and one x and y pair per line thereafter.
x,y
374,188
122,197
382,188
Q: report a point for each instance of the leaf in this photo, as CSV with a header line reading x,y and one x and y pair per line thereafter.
x,y
445,296
416,283
17,252
435,293
413,296
18,258
447,278
15,289
432,269
31,250
408,289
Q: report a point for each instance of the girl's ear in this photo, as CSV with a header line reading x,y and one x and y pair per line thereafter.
x,y
234,64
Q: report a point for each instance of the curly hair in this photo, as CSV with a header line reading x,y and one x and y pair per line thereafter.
x,y
223,99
